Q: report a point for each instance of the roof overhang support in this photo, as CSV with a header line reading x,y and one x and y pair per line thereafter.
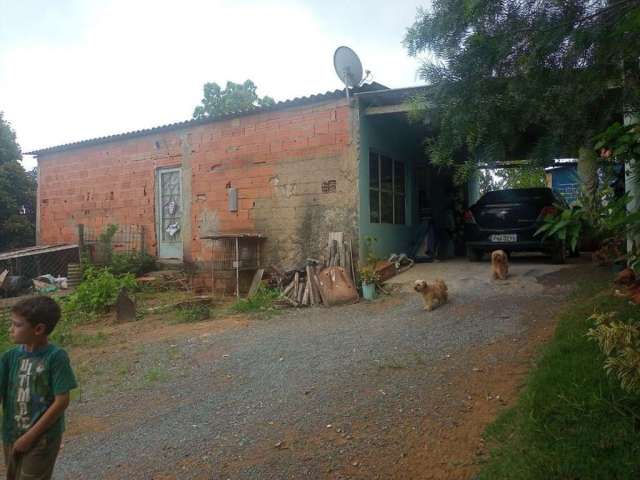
x,y
387,109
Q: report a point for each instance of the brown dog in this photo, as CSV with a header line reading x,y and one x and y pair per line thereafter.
x,y
433,295
499,265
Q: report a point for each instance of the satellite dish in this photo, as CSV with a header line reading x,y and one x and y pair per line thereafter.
x,y
348,67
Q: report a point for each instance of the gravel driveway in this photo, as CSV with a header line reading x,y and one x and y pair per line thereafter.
x,y
315,393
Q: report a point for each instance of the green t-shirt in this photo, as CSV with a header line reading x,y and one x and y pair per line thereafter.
x,y
29,382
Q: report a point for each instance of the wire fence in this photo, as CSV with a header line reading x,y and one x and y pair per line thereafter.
x,y
99,243
35,261
225,257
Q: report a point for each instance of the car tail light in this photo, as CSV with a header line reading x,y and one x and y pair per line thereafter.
x,y
548,211
468,217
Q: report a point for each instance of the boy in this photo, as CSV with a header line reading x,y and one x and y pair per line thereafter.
x,y
35,380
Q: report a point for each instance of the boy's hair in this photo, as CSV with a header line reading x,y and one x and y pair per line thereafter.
x,y
37,310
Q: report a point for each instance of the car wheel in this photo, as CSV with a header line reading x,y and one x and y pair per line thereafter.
x,y
559,253
474,255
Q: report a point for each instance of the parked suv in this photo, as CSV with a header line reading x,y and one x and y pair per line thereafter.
x,y
507,219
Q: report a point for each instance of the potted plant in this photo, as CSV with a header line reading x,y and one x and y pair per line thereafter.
x,y
369,277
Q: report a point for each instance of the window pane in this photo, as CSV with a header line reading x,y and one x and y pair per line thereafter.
x,y
374,206
386,207
373,170
399,210
386,166
398,178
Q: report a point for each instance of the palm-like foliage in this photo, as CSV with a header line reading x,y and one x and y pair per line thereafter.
x,y
620,343
525,78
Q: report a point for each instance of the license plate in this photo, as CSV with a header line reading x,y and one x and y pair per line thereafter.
x,y
505,238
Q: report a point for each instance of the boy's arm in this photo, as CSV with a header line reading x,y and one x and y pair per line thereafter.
x,y
57,408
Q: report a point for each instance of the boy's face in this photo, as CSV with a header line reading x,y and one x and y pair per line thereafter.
x,y
22,331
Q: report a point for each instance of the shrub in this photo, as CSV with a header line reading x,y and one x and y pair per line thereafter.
x,y
260,302
369,250
104,247
368,275
134,262
98,292
619,341
5,319
565,226
192,313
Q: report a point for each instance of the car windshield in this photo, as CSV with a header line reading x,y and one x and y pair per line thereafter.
x,y
534,195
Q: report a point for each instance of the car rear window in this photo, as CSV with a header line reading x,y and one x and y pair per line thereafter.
x,y
533,195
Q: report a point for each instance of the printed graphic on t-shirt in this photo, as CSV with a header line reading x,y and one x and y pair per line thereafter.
x,y
32,388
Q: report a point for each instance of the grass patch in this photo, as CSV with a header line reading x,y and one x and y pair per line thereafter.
x,y
192,313
572,421
69,338
173,353
156,374
64,334
262,302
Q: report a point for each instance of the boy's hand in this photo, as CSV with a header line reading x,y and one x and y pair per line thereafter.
x,y
23,444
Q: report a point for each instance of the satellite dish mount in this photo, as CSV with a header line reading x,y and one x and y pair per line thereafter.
x,y
348,67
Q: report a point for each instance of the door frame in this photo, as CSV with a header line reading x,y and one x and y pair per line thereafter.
x,y
158,208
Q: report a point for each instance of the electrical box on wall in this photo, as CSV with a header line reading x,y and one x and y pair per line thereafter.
x,y
233,199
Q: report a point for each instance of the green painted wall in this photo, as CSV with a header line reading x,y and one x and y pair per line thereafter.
x,y
390,135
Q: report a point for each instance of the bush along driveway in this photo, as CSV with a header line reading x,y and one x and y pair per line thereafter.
x,y
373,390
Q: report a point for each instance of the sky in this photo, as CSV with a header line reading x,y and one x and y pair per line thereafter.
x,y
77,69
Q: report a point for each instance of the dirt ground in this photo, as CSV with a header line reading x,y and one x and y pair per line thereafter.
x,y
374,390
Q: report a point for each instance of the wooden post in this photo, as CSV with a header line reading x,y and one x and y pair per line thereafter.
x,y
289,288
305,295
312,296
258,246
237,269
353,267
81,236
213,271
347,262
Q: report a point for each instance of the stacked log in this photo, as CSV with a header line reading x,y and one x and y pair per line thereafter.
x,y
300,288
303,290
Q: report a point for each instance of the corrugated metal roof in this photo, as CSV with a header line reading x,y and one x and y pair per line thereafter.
x,y
295,102
37,250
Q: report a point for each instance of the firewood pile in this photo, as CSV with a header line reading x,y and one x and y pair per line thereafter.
x,y
315,284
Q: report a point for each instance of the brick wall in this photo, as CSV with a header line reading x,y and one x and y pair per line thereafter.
x,y
295,171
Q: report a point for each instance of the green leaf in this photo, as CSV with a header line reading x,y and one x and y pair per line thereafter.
x,y
574,243
543,229
558,226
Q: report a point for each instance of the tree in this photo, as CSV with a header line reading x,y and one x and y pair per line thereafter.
x,y
236,97
17,193
515,177
516,79
522,177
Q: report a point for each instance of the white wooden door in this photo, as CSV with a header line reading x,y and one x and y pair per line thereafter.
x,y
169,208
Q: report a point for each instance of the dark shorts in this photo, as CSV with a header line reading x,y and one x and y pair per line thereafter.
x,y
36,464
